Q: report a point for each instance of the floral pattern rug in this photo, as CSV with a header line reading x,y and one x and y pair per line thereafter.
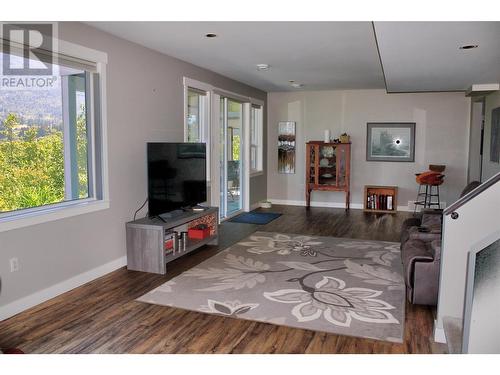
x,y
336,285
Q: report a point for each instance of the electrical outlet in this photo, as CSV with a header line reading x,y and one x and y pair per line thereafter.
x,y
14,264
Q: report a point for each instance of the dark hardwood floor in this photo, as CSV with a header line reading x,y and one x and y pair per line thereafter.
x,y
102,316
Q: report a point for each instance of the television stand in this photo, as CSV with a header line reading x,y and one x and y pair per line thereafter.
x,y
147,238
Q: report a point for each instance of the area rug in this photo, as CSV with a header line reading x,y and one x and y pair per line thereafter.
x,y
260,218
336,285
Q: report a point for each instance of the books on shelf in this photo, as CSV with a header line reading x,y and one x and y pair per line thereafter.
x,y
380,202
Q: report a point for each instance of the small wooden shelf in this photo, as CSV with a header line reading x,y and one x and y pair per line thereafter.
x,y
375,192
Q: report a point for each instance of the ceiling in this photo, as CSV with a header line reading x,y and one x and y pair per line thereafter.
x,y
415,56
425,56
320,55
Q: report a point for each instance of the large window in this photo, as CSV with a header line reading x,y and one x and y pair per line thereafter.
x,y
50,137
256,139
196,115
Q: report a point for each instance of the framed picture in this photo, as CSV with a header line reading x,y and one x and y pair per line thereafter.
x,y
286,147
390,141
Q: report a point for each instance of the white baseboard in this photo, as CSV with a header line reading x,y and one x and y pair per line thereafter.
x,y
404,209
439,335
34,299
254,206
287,202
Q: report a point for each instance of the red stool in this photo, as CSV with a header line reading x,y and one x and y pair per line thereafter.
x,y
428,180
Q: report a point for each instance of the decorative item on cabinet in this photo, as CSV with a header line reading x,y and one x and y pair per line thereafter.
x,y
345,138
327,136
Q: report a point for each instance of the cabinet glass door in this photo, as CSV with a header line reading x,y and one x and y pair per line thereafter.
x,y
342,170
327,165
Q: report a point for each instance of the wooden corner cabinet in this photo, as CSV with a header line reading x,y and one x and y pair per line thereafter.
x,y
328,168
381,199
152,243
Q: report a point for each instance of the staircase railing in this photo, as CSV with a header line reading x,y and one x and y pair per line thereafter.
x,y
472,194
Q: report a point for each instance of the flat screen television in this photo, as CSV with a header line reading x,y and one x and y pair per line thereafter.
x,y
177,176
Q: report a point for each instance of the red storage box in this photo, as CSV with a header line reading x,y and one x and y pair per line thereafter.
x,y
198,234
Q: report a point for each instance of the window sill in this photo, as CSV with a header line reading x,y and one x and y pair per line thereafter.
x,y
57,212
256,173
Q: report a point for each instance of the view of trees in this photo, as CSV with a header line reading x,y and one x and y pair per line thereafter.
x,y
236,147
32,166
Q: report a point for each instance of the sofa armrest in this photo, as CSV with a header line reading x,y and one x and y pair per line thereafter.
x,y
414,251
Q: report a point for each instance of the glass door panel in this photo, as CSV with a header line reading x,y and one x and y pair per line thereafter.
x,y
235,122
222,159
327,165
230,156
341,161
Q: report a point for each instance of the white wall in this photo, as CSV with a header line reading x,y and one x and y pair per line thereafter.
x,y
442,121
489,168
145,103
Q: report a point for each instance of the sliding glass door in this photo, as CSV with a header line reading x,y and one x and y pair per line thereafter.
x,y
231,126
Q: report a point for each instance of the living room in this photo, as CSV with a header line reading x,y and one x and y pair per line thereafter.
x,y
306,233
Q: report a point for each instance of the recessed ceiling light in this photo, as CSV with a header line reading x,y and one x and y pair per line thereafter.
x,y
211,35
263,67
469,46
297,85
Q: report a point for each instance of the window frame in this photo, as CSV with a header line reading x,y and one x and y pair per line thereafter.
x,y
204,126
202,114
259,138
98,159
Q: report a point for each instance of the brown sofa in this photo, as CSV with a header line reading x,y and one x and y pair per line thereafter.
x,y
421,253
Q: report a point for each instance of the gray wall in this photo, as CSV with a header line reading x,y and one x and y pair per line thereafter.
x,y
476,121
145,103
441,137
489,168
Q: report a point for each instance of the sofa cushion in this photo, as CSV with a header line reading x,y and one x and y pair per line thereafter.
x,y
432,221
407,224
433,234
